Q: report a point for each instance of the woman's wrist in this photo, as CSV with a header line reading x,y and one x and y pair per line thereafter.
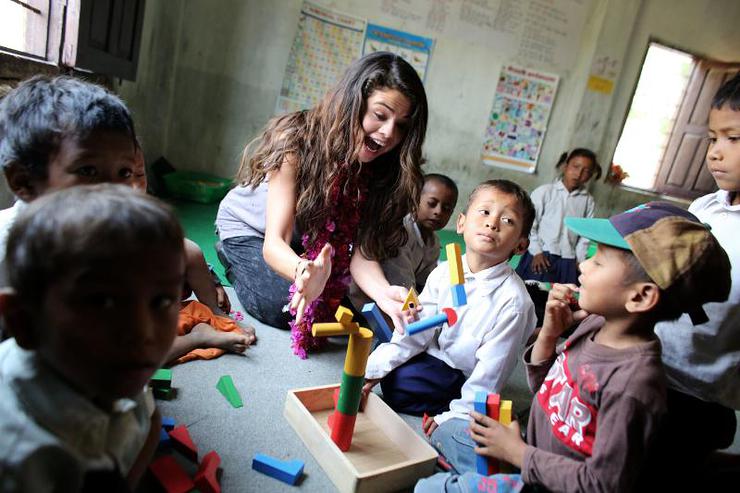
x,y
300,267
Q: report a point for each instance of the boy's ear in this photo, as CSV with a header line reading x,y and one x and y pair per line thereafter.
x,y
460,223
18,320
643,297
20,182
522,246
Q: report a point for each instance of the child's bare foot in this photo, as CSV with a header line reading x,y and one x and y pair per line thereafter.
x,y
235,342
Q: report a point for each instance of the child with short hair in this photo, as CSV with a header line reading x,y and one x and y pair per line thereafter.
x,y
419,255
554,252
439,371
95,276
56,132
600,395
702,362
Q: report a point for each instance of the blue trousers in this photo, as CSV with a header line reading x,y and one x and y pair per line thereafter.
x,y
562,270
261,291
424,384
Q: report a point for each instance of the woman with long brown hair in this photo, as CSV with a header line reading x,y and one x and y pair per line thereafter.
x,y
343,174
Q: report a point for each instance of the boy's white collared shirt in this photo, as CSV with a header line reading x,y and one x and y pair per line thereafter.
x,y
484,344
553,203
704,360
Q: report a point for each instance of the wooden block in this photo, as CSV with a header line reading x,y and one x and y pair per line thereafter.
x,y
493,402
163,393
183,443
162,379
164,440
206,479
377,322
424,419
459,298
411,300
226,386
358,351
334,329
168,423
479,405
342,429
454,259
343,315
386,453
505,413
171,475
285,471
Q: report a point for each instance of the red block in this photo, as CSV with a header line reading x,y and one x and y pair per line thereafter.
x,y
170,475
493,406
206,479
424,419
183,443
342,430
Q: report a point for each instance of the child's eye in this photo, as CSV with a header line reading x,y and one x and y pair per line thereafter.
x,y
507,220
380,116
712,140
126,173
86,171
734,138
163,302
483,212
101,300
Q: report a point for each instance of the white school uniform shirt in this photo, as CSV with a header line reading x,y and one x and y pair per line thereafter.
x,y
484,344
553,203
704,360
51,435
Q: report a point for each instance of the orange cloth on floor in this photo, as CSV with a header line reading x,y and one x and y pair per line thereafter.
x,y
191,314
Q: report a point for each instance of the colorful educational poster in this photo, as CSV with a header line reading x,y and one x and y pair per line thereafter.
x,y
325,45
518,120
414,49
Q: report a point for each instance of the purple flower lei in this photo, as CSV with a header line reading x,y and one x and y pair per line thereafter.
x,y
347,195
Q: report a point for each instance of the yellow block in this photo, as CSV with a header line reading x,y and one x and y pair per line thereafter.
x,y
504,413
410,298
454,259
343,315
357,352
334,329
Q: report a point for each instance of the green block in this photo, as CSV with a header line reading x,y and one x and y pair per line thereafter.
x,y
225,385
162,393
162,379
350,393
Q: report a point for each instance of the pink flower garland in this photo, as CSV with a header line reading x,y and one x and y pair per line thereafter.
x,y
347,195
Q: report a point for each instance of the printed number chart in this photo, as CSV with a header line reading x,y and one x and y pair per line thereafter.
x,y
326,44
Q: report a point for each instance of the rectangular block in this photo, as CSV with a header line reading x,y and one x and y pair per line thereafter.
x,y
343,315
162,379
454,259
377,322
285,471
505,415
386,454
479,405
459,298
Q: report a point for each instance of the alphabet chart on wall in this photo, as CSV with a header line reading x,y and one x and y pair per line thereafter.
x,y
326,44
518,119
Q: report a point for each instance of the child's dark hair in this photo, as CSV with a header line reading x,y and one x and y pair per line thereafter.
x,y
581,152
42,111
510,188
443,179
728,94
81,225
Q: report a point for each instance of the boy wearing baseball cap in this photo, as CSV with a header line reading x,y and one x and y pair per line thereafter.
x,y
600,396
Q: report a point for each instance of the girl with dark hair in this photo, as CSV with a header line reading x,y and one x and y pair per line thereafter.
x,y
343,175
554,251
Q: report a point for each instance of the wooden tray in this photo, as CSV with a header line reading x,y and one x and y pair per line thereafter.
x,y
386,454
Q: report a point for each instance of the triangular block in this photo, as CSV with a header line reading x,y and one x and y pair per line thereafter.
x,y
225,385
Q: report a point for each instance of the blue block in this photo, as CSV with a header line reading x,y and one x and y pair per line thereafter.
x,y
168,423
164,440
459,298
371,312
427,323
479,405
287,471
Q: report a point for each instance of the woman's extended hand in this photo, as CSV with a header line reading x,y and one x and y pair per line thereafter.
x,y
310,280
392,302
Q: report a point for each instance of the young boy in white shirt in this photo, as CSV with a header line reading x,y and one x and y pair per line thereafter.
x,y
438,371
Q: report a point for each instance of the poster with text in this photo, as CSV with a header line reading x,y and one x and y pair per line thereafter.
x,y
518,120
414,49
326,44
